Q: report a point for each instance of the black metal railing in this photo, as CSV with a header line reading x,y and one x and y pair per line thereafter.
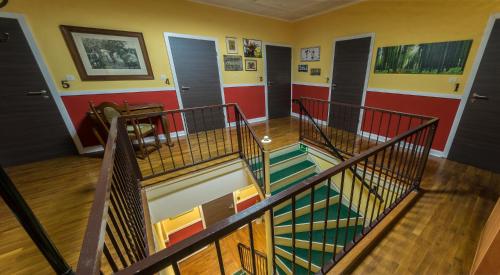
x,y
116,234
392,164
197,136
247,261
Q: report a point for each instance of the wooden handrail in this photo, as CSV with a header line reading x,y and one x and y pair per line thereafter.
x,y
93,240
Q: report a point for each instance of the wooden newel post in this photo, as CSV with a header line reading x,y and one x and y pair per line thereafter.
x,y
266,141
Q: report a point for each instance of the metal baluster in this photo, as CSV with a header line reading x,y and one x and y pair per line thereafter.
x,y
311,221
293,233
179,142
205,130
327,207
110,259
252,248
219,257
197,134
342,177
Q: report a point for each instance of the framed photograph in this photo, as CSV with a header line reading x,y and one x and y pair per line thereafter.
x,y
303,68
231,45
315,71
233,63
309,54
252,48
108,54
250,65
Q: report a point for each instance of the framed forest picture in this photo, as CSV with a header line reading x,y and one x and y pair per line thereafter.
x,y
429,58
101,54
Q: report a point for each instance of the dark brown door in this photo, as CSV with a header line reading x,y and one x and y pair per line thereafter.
x,y
348,80
218,209
477,140
197,72
32,127
279,66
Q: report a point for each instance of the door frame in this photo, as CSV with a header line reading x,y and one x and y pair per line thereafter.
x,y
167,35
470,82
367,74
54,93
264,60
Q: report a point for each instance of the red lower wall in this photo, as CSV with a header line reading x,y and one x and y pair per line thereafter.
x,y
443,108
250,99
247,203
300,90
184,233
78,106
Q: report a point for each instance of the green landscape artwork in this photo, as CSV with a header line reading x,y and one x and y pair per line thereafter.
x,y
429,58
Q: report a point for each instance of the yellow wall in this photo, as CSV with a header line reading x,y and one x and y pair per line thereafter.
x,y
394,22
397,22
150,17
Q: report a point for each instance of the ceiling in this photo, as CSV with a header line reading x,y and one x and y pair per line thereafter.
x,y
289,10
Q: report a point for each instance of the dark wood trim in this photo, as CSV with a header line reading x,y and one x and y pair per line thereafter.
x,y
68,38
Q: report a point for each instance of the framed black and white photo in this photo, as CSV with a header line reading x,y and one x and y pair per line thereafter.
x,y
309,54
231,45
233,63
250,65
303,68
101,54
252,48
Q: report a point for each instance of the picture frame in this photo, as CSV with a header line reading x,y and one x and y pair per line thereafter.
x,y
304,68
231,45
315,71
103,54
252,48
233,63
250,65
310,54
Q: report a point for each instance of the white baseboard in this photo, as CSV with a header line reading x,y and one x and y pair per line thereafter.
x,y
251,121
433,152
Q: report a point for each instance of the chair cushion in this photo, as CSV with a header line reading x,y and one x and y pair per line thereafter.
x,y
143,128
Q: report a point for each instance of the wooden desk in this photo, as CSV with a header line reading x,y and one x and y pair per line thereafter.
x,y
133,110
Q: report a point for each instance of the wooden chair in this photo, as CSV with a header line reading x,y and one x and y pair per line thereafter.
x,y
137,132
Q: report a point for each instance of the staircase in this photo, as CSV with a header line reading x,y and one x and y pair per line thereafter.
x,y
291,166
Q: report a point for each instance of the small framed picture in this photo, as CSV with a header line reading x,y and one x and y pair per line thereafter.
x,y
315,71
250,65
231,45
252,48
101,54
309,54
303,68
233,63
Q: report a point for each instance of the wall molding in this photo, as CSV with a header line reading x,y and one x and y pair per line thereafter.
x,y
116,91
243,85
325,85
415,93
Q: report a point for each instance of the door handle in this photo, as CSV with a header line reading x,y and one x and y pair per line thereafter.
x,y
269,83
184,88
334,85
476,96
231,206
41,93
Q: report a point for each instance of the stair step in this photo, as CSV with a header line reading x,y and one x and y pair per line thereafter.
x,y
299,262
298,269
240,272
274,192
278,159
284,173
303,254
319,215
319,195
317,236
283,157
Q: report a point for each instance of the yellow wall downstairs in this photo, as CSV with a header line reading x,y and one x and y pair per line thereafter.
x,y
150,17
397,22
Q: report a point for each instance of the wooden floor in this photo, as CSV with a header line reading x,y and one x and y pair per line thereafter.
x,y
437,235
